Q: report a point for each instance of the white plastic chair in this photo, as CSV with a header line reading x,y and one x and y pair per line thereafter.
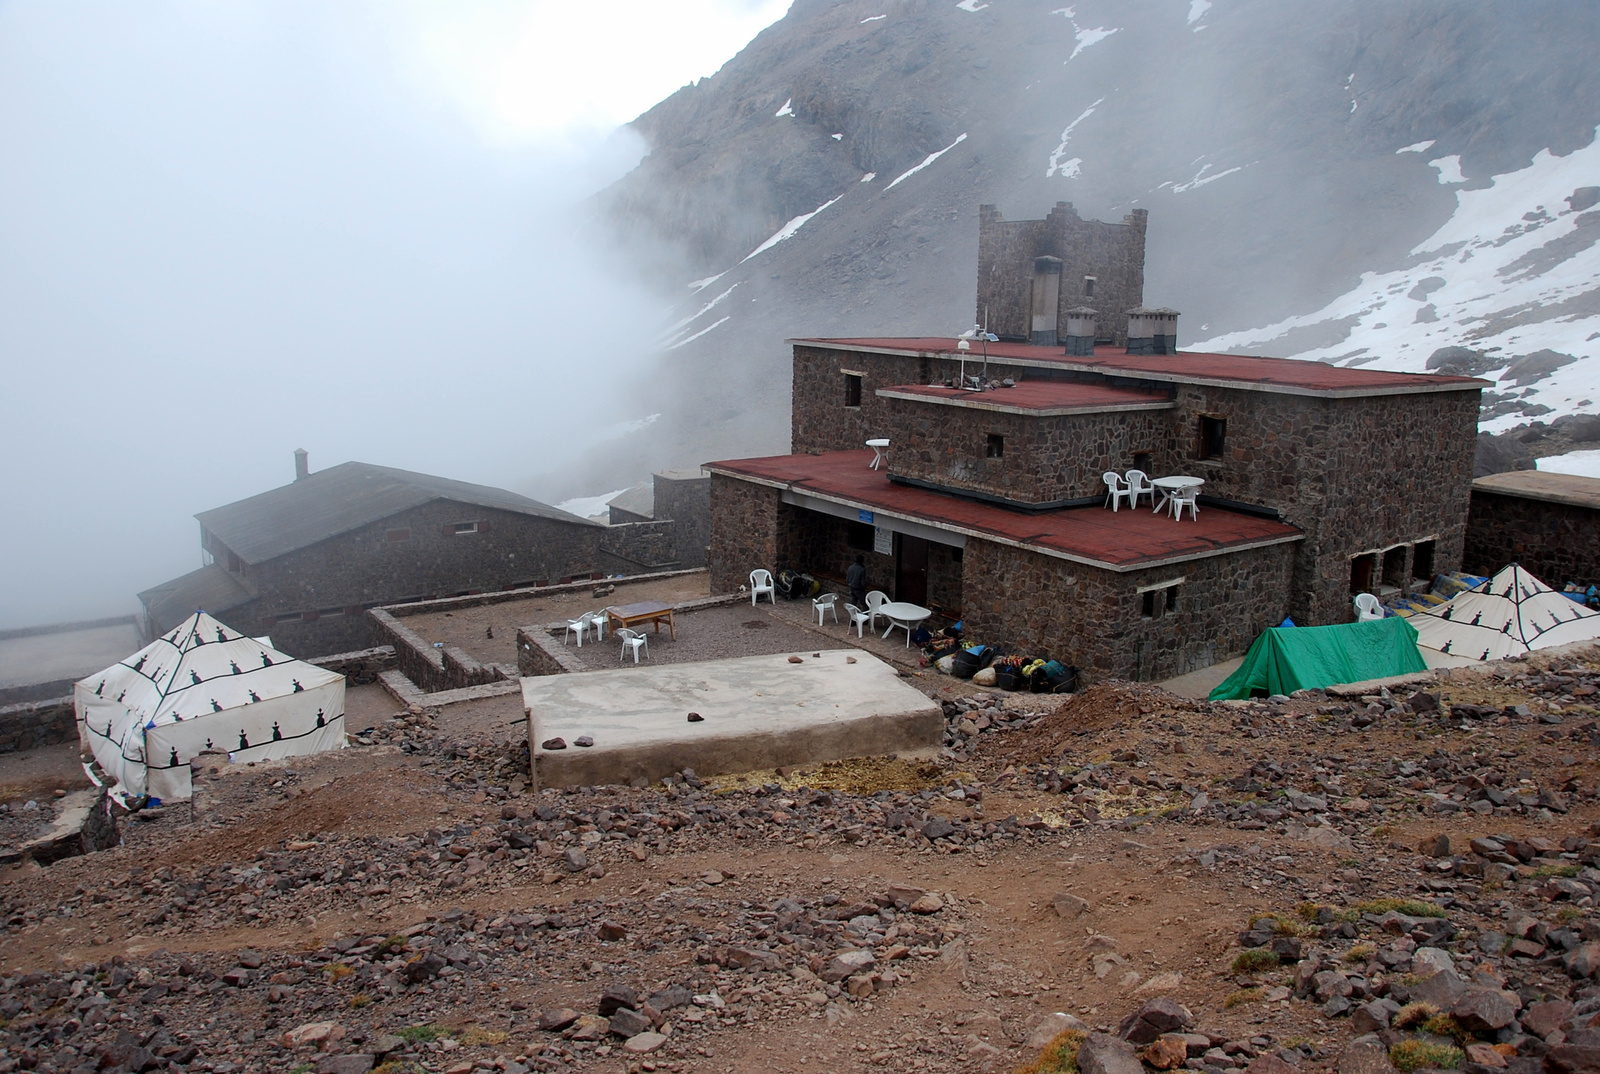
x,y
1139,485
599,621
1368,608
1185,497
632,639
761,582
858,618
875,600
825,604
579,625
1114,490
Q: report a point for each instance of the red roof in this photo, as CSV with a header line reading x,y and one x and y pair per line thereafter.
x,y
1058,396
1121,540
1284,374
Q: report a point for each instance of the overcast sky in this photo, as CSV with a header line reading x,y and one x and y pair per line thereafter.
x,y
228,230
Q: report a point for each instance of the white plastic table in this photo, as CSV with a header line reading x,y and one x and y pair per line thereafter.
x,y
878,447
1168,485
905,616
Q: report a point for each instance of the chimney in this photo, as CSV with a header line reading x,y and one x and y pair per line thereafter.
x,y
1152,331
302,464
1046,300
1080,332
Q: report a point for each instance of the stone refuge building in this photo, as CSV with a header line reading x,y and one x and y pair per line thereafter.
x,y
1320,482
1549,523
681,498
305,562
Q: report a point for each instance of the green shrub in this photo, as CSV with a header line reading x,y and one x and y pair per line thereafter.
x,y
1254,960
1060,1056
1409,1055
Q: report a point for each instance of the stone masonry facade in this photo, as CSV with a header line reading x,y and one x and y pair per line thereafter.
x,y
1112,254
746,532
1042,459
1557,542
313,599
1358,475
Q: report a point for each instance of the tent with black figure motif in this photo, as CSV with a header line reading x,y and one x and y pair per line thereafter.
x,y
202,687
1510,613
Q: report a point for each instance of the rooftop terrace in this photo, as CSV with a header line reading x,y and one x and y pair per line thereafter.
x,y
1130,539
1286,375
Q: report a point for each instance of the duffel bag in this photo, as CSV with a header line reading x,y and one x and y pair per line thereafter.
x,y
969,662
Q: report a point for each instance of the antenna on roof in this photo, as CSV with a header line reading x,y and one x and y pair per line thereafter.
x,y
964,344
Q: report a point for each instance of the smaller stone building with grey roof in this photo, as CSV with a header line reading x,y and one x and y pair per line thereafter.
x,y
304,562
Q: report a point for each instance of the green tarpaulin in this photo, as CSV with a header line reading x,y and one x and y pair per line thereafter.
x,y
1286,659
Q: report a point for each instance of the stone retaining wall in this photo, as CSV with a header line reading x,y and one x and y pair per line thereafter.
x,y
360,667
633,547
33,724
1557,542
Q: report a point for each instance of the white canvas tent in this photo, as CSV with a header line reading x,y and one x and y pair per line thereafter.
x,y
202,687
1510,613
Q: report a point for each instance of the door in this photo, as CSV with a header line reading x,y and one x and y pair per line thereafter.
x,y
911,569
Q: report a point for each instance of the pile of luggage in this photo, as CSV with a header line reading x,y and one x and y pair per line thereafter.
x,y
796,585
987,665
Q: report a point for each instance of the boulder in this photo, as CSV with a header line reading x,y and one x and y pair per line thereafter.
x,y
1101,1053
1157,1016
1365,1055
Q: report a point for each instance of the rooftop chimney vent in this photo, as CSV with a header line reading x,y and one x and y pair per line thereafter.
x,y
1152,331
302,464
1080,332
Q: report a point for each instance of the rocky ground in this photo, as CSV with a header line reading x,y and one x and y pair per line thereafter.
x,y
1297,884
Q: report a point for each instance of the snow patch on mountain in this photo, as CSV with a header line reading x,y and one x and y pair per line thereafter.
x,y
1513,274
1070,168
1449,169
1197,10
1416,147
1578,463
792,226
903,176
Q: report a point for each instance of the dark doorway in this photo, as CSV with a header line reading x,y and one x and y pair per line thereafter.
x,y
910,569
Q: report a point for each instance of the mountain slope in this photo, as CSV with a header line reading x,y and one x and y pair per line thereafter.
x,y
827,180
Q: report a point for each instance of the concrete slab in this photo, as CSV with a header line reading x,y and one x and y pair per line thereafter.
x,y
1199,684
757,712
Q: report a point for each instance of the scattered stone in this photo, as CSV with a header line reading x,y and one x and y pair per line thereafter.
x,y
583,740
553,744
1101,1053
644,1043
1069,906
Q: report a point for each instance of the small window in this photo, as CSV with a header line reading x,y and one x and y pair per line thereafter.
x,y
1159,602
1212,433
235,564
858,536
852,390
1088,287
1394,566
1363,568
994,447
326,612
288,617
396,536
459,528
1422,561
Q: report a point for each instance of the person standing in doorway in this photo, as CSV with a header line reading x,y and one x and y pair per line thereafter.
x,y
855,576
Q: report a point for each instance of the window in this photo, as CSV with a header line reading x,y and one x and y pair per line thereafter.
x,y
1422,561
1363,568
460,528
858,535
288,617
396,536
1394,566
1159,600
1088,287
1142,460
324,613
852,390
1212,432
235,564
995,447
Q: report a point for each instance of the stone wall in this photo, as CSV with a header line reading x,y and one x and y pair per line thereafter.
x,y
32,724
686,501
1112,253
430,669
744,533
360,667
1557,542
538,653
1044,460
1094,619
638,547
313,599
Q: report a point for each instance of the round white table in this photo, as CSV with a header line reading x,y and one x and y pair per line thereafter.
x,y
905,616
878,446
1168,485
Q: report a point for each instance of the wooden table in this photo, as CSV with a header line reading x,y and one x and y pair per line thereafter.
x,y
1168,485
905,616
644,611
